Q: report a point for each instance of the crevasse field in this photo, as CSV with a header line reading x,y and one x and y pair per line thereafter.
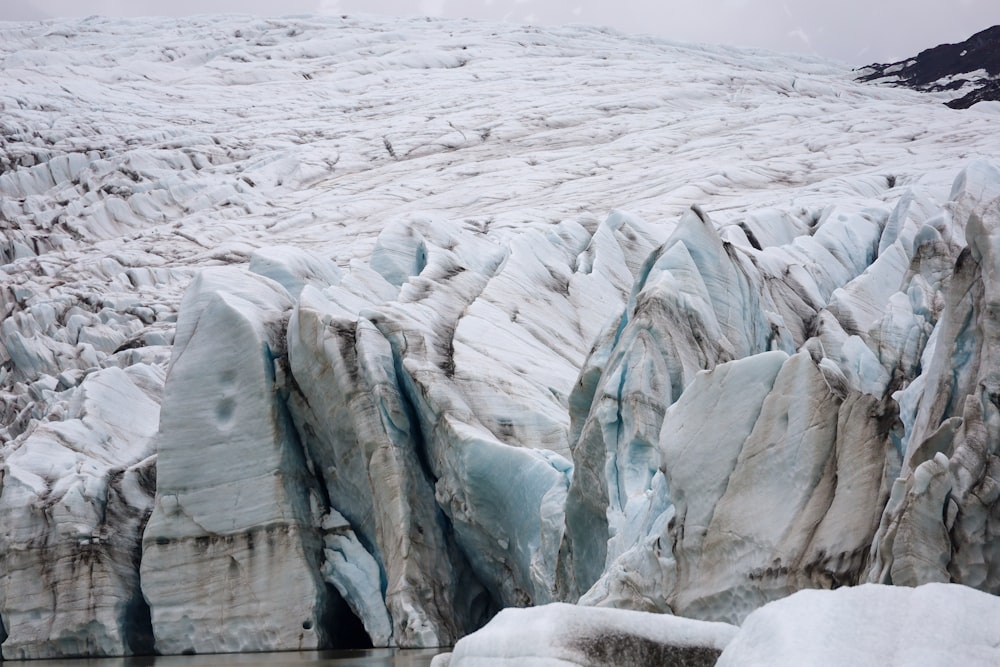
x,y
331,331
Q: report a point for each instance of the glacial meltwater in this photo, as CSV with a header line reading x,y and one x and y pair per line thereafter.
x,y
378,657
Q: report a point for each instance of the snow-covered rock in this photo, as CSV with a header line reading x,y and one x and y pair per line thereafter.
x,y
965,74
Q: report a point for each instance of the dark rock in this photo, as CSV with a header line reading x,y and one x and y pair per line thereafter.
x,y
948,67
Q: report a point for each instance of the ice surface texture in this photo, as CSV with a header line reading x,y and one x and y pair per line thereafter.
x,y
326,331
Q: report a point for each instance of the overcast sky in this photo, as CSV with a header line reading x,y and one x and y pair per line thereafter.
x,y
855,31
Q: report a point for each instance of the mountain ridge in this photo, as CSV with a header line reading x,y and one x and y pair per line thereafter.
x,y
970,69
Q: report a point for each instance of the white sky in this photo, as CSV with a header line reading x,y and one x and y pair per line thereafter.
x,y
855,31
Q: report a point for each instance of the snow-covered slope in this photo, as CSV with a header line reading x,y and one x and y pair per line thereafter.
x,y
322,331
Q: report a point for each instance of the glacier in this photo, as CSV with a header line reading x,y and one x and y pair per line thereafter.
x,y
341,331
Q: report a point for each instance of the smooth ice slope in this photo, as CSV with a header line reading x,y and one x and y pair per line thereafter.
x,y
337,331
883,626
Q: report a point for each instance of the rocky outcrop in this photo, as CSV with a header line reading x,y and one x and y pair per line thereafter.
x,y
969,70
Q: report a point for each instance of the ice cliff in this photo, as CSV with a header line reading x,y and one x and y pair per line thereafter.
x,y
325,332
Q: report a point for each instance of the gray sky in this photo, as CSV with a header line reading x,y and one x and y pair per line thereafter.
x,y
855,31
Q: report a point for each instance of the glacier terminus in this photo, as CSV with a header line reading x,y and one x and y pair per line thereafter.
x,y
326,332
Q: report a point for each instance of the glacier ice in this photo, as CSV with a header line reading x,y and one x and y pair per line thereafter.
x,y
220,527
352,345
559,634
361,436
76,496
933,624
938,525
